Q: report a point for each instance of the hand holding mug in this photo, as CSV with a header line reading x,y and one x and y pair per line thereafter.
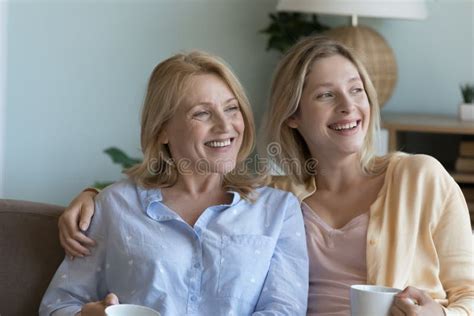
x,y
403,304
98,308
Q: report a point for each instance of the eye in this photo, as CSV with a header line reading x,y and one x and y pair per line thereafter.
x,y
324,95
357,90
232,108
201,115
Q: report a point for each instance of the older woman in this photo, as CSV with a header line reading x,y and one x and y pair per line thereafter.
x,y
398,220
184,234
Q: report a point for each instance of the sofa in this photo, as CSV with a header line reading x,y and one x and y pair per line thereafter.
x,y
30,253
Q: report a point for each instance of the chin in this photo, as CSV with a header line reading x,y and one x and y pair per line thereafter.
x,y
355,149
220,166
224,169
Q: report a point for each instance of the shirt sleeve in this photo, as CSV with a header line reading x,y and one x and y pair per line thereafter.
x,y
285,290
454,244
78,281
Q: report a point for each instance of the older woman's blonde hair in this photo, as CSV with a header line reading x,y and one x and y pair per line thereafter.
x,y
292,156
166,88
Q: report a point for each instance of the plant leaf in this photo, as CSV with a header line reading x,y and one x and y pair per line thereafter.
x,y
121,158
286,29
101,185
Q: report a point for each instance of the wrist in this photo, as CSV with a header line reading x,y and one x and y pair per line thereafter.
x,y
90,189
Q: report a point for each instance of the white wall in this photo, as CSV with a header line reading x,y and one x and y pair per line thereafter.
x,y
78,72
3,74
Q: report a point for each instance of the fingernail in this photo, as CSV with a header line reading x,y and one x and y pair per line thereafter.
x,y
83,226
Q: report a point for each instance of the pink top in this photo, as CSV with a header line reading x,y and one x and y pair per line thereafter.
x,y
337,260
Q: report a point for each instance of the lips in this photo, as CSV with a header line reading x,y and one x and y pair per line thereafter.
x,y
219,143
345,126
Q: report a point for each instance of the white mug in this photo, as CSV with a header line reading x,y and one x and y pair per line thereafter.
x,y
130,310
372,300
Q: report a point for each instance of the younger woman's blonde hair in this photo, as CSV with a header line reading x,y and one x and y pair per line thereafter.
x,y
167,86
293,156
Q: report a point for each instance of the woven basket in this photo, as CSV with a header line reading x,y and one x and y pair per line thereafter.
x,y
376,55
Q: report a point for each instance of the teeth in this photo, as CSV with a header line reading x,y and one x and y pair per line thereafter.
x,y
217,144
340,127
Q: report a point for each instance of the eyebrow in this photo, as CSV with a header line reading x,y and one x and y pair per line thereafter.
x,y
328,84
355,79
208,103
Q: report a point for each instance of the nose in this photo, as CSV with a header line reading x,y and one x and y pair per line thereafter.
x,y
221,123
346,104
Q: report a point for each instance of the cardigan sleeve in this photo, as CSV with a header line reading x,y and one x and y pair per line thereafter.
x,y
454,243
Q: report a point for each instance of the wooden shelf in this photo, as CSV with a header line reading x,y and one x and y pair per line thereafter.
x,y
463,177
426,123
401,124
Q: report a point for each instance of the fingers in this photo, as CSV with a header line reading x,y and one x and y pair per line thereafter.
x,y
111,299
83,239
75,242
395,311
414,295
73,247
93,309
85,216
406,306
98,308
405,301
70,252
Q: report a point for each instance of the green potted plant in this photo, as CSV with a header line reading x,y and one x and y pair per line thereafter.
x,y
118,157
466,109
286,29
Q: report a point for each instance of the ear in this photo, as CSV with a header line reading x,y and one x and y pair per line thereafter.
x,y
163,137
292,122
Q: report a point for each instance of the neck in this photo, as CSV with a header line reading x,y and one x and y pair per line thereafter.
x,y
338,175
196,185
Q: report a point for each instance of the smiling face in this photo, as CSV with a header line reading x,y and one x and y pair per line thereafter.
x,y
334,111
206,132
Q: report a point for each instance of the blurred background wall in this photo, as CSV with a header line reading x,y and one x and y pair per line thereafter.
x,y
75,75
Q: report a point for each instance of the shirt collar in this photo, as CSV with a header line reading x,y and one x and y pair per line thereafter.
x,y
306,189
236,198
151,198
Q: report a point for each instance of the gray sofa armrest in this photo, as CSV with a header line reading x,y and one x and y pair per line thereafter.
x,y
29,254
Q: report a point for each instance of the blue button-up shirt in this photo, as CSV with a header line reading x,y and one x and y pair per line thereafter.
x,y
238,259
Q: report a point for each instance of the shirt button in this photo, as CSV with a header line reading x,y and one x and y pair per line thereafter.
x,y
193,298
372,242
197,265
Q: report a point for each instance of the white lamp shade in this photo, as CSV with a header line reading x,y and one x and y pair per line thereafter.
x,y
399,9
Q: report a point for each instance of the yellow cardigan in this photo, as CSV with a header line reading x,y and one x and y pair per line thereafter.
x,y
419,232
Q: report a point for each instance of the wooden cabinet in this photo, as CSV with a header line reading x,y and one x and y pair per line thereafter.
x,y
435,135
401,126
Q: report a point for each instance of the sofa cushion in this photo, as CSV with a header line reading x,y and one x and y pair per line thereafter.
x,y
30,254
